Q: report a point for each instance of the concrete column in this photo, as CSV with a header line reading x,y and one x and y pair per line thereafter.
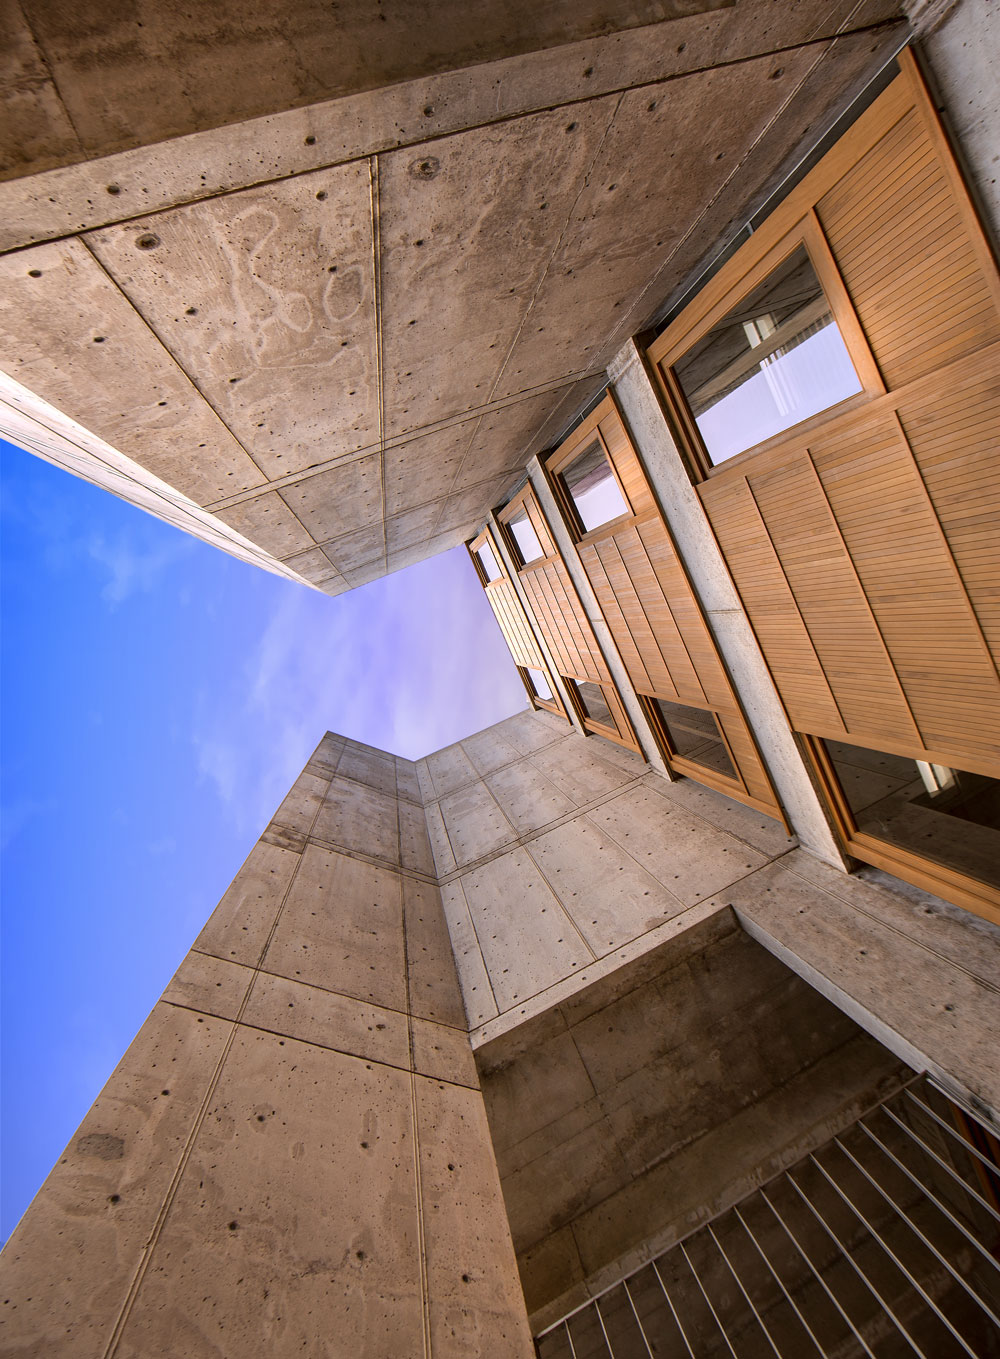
x,y
959,40
511,565
726,617
293,1156
612,656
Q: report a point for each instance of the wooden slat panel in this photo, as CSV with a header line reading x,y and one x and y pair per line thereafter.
x,y
747,759
902,243
640,676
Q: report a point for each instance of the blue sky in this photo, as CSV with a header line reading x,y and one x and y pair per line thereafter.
x,y
158,699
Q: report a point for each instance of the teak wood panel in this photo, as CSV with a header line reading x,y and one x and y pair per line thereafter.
x,y
559,616
865,544
648,603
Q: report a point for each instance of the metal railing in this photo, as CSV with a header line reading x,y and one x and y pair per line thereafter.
x,y
884,1242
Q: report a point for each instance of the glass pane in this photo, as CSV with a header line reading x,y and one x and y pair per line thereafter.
x,y
695,735
594,703
944,814
525,537
539,683
774,360
593,488
488,562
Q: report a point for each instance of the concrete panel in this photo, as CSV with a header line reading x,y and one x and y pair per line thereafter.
x,y
578,768
342,500
443,1053
352,551
360,818
69,1265
504,439
454,216
68,334
449,768
531,731
37,131
375,771
489,750
325,1019
527,940
444,857
761,832
414,846
333,1200
317,568
341,930
475,824
476,1305
423,469
894,966
434,991
267,521
608,895
239,926
527,797
264,293
298,810
477,990
212,986
407,782
680,143
529,1091
691,858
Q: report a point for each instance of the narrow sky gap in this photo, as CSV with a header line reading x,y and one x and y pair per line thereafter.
x,y
159,697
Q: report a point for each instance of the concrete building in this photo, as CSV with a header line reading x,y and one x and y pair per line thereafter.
x,y
613,1042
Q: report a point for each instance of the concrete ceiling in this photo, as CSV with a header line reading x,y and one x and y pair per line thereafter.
x,y
343,328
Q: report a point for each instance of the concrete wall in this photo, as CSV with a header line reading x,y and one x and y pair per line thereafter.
x,y
659,1096
561,858
293,1156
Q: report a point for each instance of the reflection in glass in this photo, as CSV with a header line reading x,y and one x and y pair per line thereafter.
x,y
941,813
593,489
594,704
774,360
525,537
695,735
539,683
488,562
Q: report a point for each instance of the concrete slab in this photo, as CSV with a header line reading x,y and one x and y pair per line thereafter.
x,y
68,334
449,769
475,1301
444,857
298,810
341,930
477,990
415,847
533,1090
609,896
317,568
375,771
579,770
527,940
357,817
407,782
263,291
449,216
475,824
268,521
325,1019
341,501
690,857
434,992
531,731
443,1053
423,469
527,797
335,1198
70,1264
761,832
489,750
211,986
239,926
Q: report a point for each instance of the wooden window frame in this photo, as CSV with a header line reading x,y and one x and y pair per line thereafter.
x,y
588,723
747,269
586,433
551,705
949,883
526,500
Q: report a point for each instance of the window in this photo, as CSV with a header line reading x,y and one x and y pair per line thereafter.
x,y
525,537
488,562
774,359
594,705
943,814
694,735
591,486
539,684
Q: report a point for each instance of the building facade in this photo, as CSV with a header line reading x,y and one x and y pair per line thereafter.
x,y
681,1038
